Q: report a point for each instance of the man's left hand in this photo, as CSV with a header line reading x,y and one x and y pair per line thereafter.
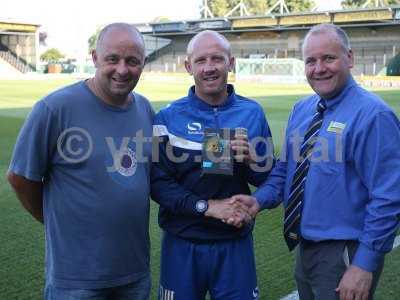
x,y
355,284
243,152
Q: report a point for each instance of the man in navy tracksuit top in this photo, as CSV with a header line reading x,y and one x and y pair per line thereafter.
x,y
200,252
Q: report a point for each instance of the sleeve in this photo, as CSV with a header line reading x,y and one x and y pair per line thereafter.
x,y
377,161
263,145
146,104
34,145
150,108
270,193
165,189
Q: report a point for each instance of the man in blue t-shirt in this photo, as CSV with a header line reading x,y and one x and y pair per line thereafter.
x,y
81,167
338,176
200,252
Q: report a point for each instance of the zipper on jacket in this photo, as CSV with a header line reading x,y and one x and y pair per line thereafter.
x,y
215,109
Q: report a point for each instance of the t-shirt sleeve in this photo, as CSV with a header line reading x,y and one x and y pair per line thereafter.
x,y
146,105
35,143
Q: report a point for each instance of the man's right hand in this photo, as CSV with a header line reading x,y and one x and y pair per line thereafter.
x,y
30,193
250,202
226,209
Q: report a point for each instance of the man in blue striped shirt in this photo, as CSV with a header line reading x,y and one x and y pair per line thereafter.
x,y
349,200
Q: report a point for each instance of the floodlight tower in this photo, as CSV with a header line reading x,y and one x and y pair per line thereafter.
x,y
206,10
282,7
242,9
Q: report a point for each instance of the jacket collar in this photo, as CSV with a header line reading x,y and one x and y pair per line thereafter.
x,y
201,104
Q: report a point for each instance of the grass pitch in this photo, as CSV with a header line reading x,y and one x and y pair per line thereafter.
x,y
22,240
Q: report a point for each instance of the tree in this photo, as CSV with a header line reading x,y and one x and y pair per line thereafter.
x,y
93,39
219,8
359,3
257,7
295,5
161,19
52,55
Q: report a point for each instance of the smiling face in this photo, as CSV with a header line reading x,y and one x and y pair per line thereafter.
x,y
119,61
327,63
209,62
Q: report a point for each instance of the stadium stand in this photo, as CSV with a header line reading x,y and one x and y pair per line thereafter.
x,y
374,36
18,45
7,69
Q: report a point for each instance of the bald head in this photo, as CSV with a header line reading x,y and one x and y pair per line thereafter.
x,y
119,27
119,60
209,60
205,37
326,28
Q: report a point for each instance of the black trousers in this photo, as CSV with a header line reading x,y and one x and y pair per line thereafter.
x,y
321,265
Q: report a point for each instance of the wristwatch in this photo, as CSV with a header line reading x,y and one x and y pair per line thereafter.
x,y
201,206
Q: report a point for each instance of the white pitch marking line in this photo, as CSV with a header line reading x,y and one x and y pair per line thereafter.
x,y
292,296
295,294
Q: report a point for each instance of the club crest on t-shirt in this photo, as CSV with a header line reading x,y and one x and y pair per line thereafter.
x,y
126,163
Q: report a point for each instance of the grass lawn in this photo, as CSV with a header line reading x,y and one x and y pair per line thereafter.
x,y
22,240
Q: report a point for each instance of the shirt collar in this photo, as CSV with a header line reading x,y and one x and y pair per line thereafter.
x,y
331,103
201,104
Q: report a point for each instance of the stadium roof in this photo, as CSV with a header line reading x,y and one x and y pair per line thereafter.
x,y
12,25
278,22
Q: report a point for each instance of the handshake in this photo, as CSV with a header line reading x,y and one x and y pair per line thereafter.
x,y
237,210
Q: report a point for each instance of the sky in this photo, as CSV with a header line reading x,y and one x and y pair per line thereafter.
x,y
70,24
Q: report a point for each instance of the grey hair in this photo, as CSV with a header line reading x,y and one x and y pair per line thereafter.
x,y
122,26
328,27
224,41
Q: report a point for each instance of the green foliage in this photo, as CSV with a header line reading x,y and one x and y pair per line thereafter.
x,y
161,19
359,3
257,7
219,8
52,55
93,39
393,67
295,6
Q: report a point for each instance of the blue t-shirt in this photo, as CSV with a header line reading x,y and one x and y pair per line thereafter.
x,y
93,160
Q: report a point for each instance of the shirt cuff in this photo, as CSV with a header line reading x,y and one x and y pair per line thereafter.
x,y
367,259
190,206
262,199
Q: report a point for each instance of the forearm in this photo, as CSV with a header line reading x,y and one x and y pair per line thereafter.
x,y
32,201
377,161
168,193
381,223
262,162
29,193
270,193
257,173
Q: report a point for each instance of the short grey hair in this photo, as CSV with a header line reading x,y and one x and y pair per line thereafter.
x,y
123,26
332,28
